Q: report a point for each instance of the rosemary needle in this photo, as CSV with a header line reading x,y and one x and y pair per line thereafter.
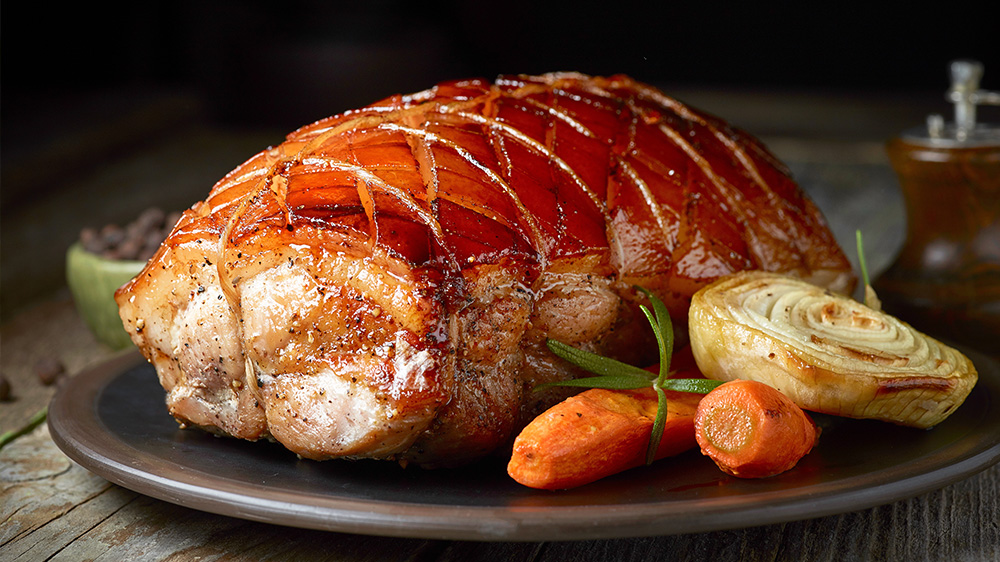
x,y
615,375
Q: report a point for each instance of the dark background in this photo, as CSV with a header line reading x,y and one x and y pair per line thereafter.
x,y
286,63
87,91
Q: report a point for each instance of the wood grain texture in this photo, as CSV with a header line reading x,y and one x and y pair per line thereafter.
x,y
63,336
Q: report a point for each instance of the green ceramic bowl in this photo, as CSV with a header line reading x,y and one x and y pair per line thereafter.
x,y
93,281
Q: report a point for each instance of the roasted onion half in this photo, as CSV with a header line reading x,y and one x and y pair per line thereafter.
x,y
825,351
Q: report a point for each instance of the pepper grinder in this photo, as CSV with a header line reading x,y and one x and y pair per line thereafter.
x,y
946,279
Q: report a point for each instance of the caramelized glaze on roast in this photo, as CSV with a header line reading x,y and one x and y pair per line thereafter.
x,y
382,283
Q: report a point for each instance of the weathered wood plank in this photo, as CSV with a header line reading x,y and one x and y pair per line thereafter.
x,y
958,522
48,501
148,529
54,509
53,330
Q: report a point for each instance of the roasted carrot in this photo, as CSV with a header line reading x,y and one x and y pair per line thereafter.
x,y
752,430
598,433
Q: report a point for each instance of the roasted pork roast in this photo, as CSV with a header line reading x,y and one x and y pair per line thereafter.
x,y
381,284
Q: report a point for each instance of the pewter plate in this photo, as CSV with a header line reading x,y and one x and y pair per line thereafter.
x,y
112,420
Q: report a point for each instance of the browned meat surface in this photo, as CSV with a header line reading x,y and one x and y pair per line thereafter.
x,y
382,283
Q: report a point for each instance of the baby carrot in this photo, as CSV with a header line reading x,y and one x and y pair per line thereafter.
x,y
752,430
597,433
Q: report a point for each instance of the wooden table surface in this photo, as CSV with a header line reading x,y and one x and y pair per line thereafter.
x,y
53,509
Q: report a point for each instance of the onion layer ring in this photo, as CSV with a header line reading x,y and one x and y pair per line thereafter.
x,y
825,351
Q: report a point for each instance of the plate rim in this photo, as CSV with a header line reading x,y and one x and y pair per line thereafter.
x,y
85,443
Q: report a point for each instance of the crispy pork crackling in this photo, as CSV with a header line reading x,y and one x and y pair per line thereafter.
x,y
381,284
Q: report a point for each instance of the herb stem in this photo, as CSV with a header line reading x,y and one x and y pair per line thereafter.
x,y
658,423
35,421
614,374
861,257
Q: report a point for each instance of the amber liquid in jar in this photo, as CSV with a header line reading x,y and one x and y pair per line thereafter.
x,y
946,279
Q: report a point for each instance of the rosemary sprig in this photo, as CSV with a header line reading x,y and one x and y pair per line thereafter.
x,y
615,375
